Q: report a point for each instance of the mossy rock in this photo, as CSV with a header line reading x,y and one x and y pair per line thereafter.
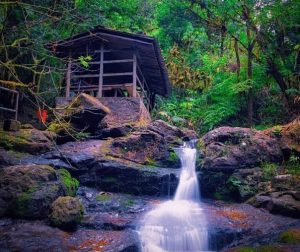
x,y
70,184
21,203
290,236
9,141
27,140
66,212
28,190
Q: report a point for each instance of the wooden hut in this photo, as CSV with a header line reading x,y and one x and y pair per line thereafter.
x,y
109,63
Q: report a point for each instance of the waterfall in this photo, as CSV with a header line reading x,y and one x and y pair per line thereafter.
x,y
178,224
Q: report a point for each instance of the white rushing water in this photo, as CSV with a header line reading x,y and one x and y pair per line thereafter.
x,y
178,224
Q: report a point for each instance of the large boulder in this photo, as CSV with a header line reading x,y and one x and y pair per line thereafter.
x,y
237,161
78,118
124,111
238,186
288,135
228,149
86,112
144,147
28,140
26,191
66,212
285,203
152,144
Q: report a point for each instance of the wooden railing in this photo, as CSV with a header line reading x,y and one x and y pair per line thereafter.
x,y
138,79
16,101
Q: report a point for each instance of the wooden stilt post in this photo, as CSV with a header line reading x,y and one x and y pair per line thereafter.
x,y
69,70
100,86
134,75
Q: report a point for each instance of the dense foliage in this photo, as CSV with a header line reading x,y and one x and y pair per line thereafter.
x,y
231,62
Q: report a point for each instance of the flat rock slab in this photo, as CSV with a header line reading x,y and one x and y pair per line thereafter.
x,y
37,236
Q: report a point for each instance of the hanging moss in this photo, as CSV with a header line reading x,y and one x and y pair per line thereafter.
x,y
70,184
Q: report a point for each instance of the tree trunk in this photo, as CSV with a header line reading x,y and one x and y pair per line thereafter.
x,y
238,61
223,36
250,92
249,73
279,79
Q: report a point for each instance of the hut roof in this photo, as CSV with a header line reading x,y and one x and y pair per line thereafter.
x,y
151,60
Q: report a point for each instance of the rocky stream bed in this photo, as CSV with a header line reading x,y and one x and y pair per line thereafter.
x,y
57,194
110,221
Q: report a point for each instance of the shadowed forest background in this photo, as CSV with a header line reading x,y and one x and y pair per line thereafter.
x,y
230,62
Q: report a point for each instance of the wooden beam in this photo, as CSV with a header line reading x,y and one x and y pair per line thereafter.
x,y
68,77
8,109
117,61
134,75
16,101
115,50
83,87
111,61
85,76
101,72
117,74
121,37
